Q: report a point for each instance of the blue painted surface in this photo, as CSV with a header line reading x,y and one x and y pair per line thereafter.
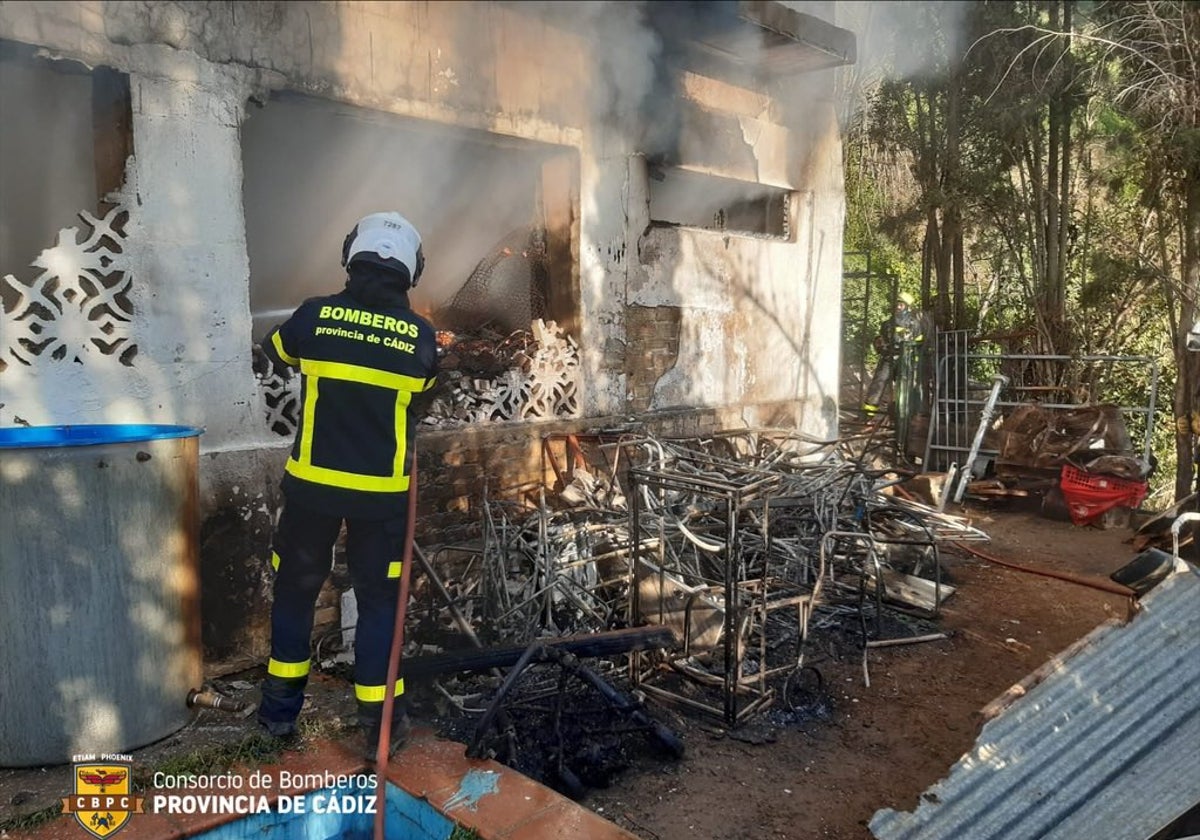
x,y
475,785
35,437
407,818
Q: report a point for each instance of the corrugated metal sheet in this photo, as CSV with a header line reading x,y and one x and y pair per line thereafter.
x,y
1105,748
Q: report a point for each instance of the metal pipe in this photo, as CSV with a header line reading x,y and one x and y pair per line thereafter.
x,y
998,381
535,650
732,613
436,582
1175,528
212,700
911,640
1150,410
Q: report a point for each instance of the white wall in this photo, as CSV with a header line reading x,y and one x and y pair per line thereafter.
x,y
194,68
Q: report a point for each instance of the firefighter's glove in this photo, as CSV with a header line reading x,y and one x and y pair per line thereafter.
x,y
265,367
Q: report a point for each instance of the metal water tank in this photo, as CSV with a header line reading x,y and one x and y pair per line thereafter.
x,y
99,588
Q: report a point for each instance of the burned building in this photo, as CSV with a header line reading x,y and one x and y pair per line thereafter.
x,y
647,198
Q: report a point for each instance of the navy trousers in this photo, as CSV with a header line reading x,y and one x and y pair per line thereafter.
x,y
302,553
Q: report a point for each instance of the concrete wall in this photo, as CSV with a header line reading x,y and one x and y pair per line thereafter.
x,y
704,328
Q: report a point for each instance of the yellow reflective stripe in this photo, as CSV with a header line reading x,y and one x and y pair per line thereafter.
x,y
365,375
275,561
376,693
394,569
310,414
303,467
348,480
288,670
403,398
283,354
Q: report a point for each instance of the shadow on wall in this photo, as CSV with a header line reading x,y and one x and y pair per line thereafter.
x,y
81,343
67,343
113,320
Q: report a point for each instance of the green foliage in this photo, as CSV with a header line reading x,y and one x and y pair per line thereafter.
x,y
1126,150
30,821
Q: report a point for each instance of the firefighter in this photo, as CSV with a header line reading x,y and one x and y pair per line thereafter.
x,y
367,363
902,333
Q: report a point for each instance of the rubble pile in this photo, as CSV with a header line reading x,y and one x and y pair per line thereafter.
x,y
1034,440
741,543
757,537
1080,461
486,377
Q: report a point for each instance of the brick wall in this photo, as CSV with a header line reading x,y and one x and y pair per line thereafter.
x,y
653,347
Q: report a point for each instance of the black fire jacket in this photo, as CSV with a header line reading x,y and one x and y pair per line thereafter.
x,y
360,367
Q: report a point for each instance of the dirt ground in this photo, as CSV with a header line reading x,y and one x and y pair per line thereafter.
x,y
881,746
817,775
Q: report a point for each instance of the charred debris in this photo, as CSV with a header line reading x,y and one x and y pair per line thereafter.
x,y
652,577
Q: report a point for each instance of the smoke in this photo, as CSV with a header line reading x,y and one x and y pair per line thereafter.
x,y
313,169
900,40
627,53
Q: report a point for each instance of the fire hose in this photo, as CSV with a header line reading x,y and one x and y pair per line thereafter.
x,y
393,672
1082,580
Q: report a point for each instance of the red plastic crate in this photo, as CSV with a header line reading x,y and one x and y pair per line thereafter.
x,y
1076,479
1088,495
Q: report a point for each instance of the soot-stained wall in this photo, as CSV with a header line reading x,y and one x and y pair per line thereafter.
x,y
577,103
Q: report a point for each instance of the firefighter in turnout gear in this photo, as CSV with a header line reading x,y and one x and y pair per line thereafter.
x,y
899,340
365,360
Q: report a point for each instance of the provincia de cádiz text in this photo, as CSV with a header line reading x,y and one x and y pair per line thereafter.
x,y
261,792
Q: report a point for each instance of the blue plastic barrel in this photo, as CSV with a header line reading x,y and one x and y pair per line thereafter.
x,y
99,588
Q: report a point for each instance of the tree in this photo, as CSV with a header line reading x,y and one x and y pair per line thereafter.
x,y
1154,54
917,118
1026,78
1043,209
989,153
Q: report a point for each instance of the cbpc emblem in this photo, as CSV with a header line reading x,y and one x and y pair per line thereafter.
x,y
103,801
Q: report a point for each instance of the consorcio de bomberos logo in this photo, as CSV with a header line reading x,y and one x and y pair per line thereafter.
x,y
103,801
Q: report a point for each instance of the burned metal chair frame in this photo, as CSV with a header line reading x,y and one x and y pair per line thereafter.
x,y
748,600
740,519
869,567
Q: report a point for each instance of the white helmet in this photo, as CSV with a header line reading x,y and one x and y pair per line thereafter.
x,y
386,239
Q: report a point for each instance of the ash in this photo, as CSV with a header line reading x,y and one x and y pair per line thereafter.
x,y
557,730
